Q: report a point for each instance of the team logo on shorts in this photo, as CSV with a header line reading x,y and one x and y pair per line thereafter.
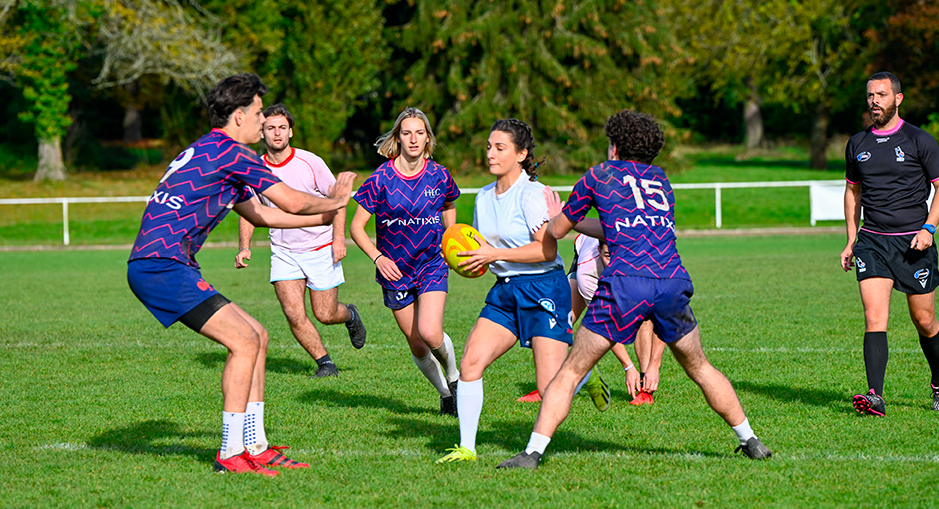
x,y
401,295
549,306
863,156
900,154
861,267
922,275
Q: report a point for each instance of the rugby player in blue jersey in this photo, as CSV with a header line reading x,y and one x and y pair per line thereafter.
x,y
411,197
216,173
644,280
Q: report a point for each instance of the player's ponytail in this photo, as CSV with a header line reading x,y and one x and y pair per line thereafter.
x,y
523,139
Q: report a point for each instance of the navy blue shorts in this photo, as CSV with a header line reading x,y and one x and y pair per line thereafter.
x,y
537,305
167,288
431,279
622,303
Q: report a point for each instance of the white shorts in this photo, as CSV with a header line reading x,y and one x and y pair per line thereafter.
x,y
316,267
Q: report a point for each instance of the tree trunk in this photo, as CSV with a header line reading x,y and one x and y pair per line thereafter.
x,y
51,166
819,138
133,123
752,119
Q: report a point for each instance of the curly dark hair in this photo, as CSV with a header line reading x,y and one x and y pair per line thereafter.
x,y
523,139
636,136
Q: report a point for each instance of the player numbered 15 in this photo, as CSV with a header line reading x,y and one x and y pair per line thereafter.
x,y
652,189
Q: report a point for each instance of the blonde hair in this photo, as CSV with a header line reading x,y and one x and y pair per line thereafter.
x,y
389,144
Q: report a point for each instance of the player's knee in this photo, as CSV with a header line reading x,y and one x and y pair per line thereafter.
x,y
330,315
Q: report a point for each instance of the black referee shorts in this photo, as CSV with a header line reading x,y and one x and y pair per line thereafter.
x,y
891,257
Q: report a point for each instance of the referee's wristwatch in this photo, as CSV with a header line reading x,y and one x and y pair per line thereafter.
x,y
930,228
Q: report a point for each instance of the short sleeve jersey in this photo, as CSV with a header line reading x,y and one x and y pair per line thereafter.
x,y
307,172
195,194
510,220
636,208
408,221
893,168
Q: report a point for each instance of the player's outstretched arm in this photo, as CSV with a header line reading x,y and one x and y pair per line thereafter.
x,y
297,202
559,226
270,217
590,227
245,232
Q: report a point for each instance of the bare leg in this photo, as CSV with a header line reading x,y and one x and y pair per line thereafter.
x,y
717,390
588,348
548,355
291,297
236,330
327,308
923,313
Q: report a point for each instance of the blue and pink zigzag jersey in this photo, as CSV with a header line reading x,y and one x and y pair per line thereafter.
x,y
408,222
636,208
195,194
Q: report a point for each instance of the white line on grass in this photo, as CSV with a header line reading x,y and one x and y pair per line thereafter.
x,y
291,345
686,456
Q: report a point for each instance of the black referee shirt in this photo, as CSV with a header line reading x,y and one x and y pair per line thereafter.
x,y
895,169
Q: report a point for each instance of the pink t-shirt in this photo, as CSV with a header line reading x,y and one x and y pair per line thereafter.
x,y
303,171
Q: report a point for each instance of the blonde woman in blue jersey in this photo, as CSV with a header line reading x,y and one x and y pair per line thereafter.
x,y
411,197
531,300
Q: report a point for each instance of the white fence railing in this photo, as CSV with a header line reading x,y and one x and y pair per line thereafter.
x,y
825,197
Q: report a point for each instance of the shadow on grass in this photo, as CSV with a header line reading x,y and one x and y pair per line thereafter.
x,y
798,395
334,398
285,365
513,436
158,437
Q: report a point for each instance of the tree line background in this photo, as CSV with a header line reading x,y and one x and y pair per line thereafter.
x,y
87,83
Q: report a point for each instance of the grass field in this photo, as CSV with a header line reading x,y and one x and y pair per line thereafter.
x,y
117,223
106,409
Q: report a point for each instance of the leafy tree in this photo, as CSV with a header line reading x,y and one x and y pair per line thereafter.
x,y
318,57
43,35
562,66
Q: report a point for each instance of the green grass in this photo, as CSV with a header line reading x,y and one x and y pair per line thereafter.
x,y
106,409
117,223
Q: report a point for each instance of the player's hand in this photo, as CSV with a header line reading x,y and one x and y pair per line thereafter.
x,y
847,257
553,199
632,381
479,258
342,189
651,381
921,240
241,259
339,250
388,268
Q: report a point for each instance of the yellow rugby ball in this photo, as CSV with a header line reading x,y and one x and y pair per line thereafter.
x,y
458,238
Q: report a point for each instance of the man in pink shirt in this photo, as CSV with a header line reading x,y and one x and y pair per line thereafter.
x,y
304,258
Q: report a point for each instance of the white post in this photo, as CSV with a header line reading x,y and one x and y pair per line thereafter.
x,y
717,206
65,221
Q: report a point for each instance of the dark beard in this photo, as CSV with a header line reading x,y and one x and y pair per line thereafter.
x,y
888,113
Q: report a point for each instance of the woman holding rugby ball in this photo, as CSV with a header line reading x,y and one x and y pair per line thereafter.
x,y
412,197
531,300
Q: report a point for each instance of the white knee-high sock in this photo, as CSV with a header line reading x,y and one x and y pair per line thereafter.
x,y
233,434
255,437
431,369
447,358
469,406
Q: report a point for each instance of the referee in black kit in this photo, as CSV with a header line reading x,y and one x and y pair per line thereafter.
x,y
890,167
